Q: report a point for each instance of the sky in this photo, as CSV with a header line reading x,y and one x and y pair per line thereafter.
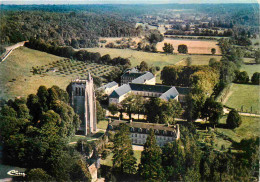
x,y
122,1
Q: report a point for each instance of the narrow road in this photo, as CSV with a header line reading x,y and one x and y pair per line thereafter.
x,y
226,111
9,50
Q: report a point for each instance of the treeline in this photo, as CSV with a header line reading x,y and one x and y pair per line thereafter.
x,y
35,132
206,32
81,55
183,160
76,29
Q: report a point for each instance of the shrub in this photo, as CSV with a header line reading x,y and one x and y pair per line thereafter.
x,y
233,119
255,78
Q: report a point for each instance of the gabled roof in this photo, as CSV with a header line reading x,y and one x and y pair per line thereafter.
x,y
132,75
170,94
143,78
183,90
108,85
149,88
120,91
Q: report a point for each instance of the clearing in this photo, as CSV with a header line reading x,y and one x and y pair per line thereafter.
x,y
108,160
17,78
244,95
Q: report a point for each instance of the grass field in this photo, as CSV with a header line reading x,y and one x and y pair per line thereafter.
x,y
250,69
108,160
156,59
244,95
249,128
17,79
194,46
102,124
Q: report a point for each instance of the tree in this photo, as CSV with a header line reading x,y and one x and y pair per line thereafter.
x,y
233,119
123,154
101,113
143,66
168,48
212,111
257,56
38,174
212,62
213,51
8,111
173,160
43,95
150,167
183,49
154,37
113,109
255,78
241,77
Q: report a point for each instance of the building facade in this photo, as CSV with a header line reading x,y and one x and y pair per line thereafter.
x,y
140,131
160,91
83,101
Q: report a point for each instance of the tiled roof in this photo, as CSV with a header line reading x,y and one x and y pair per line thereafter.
x,y
109,85
149,88
132,75
183,90
170,94
120,91
143,78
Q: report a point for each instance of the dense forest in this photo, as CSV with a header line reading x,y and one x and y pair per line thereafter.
x,y
81,25
80,29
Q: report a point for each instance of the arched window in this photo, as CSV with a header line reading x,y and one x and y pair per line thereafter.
x,y
82,91
77,91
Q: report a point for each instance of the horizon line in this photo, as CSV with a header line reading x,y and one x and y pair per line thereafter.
x,y
7,3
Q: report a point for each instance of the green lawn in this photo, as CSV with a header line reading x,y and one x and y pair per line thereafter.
x,y
156,59
250,127
108,161
17,79
102,124
244,95
250,69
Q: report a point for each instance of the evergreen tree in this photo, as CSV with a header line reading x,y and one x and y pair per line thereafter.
x,y
123,158
150,167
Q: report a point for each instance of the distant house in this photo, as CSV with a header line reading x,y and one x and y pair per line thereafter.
x,y
134,76
139,131
161,91
109,87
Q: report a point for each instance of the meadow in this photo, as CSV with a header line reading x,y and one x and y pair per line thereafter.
x,y
243,95
249,128
250,69
194,46
17,77
155,59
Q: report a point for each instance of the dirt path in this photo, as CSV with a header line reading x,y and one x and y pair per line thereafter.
x,y
226,111
9,50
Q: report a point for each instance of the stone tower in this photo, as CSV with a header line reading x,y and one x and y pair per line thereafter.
x,y
84,103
